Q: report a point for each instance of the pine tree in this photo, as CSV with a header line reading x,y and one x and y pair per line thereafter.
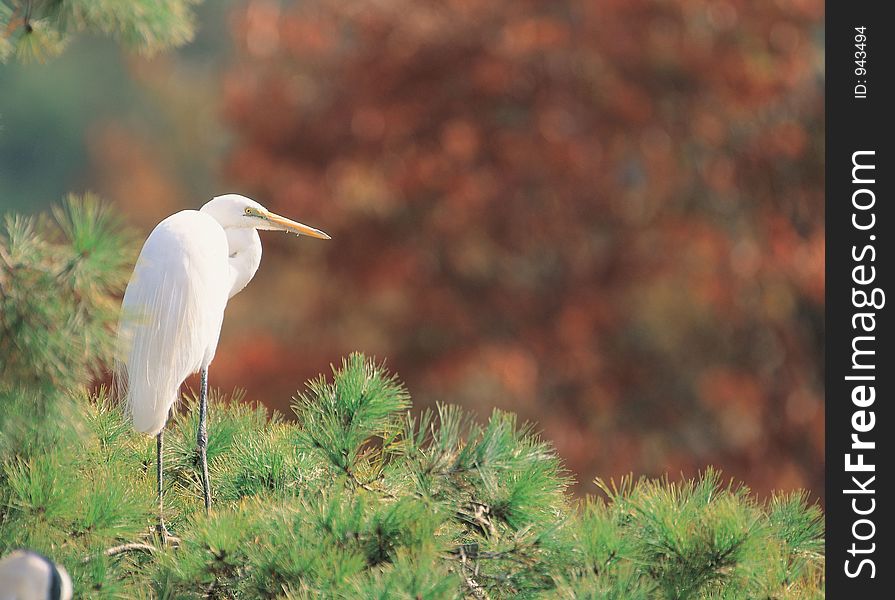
x,y
357,497
38,29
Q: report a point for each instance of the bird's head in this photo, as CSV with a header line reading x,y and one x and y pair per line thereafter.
x,y
233,211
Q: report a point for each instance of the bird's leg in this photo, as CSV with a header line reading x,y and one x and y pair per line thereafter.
x,y
162,531
202,437
159,448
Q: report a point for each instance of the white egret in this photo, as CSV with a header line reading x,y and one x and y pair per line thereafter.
x,y
191,264
26,575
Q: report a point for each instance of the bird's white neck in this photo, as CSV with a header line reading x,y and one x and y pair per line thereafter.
x,y
245,256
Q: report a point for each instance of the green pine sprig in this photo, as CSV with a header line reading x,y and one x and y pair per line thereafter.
x,y
35,30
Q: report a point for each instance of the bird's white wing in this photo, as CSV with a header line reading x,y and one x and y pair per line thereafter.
x,y
171,314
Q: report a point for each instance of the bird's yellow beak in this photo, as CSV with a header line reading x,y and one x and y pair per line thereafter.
x,y
284,224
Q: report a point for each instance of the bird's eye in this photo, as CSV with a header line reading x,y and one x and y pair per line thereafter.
x,y
248,210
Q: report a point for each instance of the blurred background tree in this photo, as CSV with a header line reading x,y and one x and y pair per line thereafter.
x,y
604,216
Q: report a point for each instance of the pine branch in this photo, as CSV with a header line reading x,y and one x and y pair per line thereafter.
x,y
474,587
121,549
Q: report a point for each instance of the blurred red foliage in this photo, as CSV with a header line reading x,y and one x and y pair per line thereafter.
x,y
605,216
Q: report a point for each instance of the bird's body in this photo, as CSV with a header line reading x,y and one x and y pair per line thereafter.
x,y
191,264
174,308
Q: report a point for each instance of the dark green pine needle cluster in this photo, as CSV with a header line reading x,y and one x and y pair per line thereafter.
x,y
358,497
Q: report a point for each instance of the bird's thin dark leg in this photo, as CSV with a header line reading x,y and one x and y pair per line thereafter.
x,y
159,448
202,437
162,531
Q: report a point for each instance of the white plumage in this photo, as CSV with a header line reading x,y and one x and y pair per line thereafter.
x,y
172,312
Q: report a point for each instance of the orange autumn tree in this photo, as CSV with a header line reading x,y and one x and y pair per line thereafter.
x,y
605,216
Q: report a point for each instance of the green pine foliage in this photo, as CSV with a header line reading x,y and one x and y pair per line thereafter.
x,y
358,496
39,29
59,277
